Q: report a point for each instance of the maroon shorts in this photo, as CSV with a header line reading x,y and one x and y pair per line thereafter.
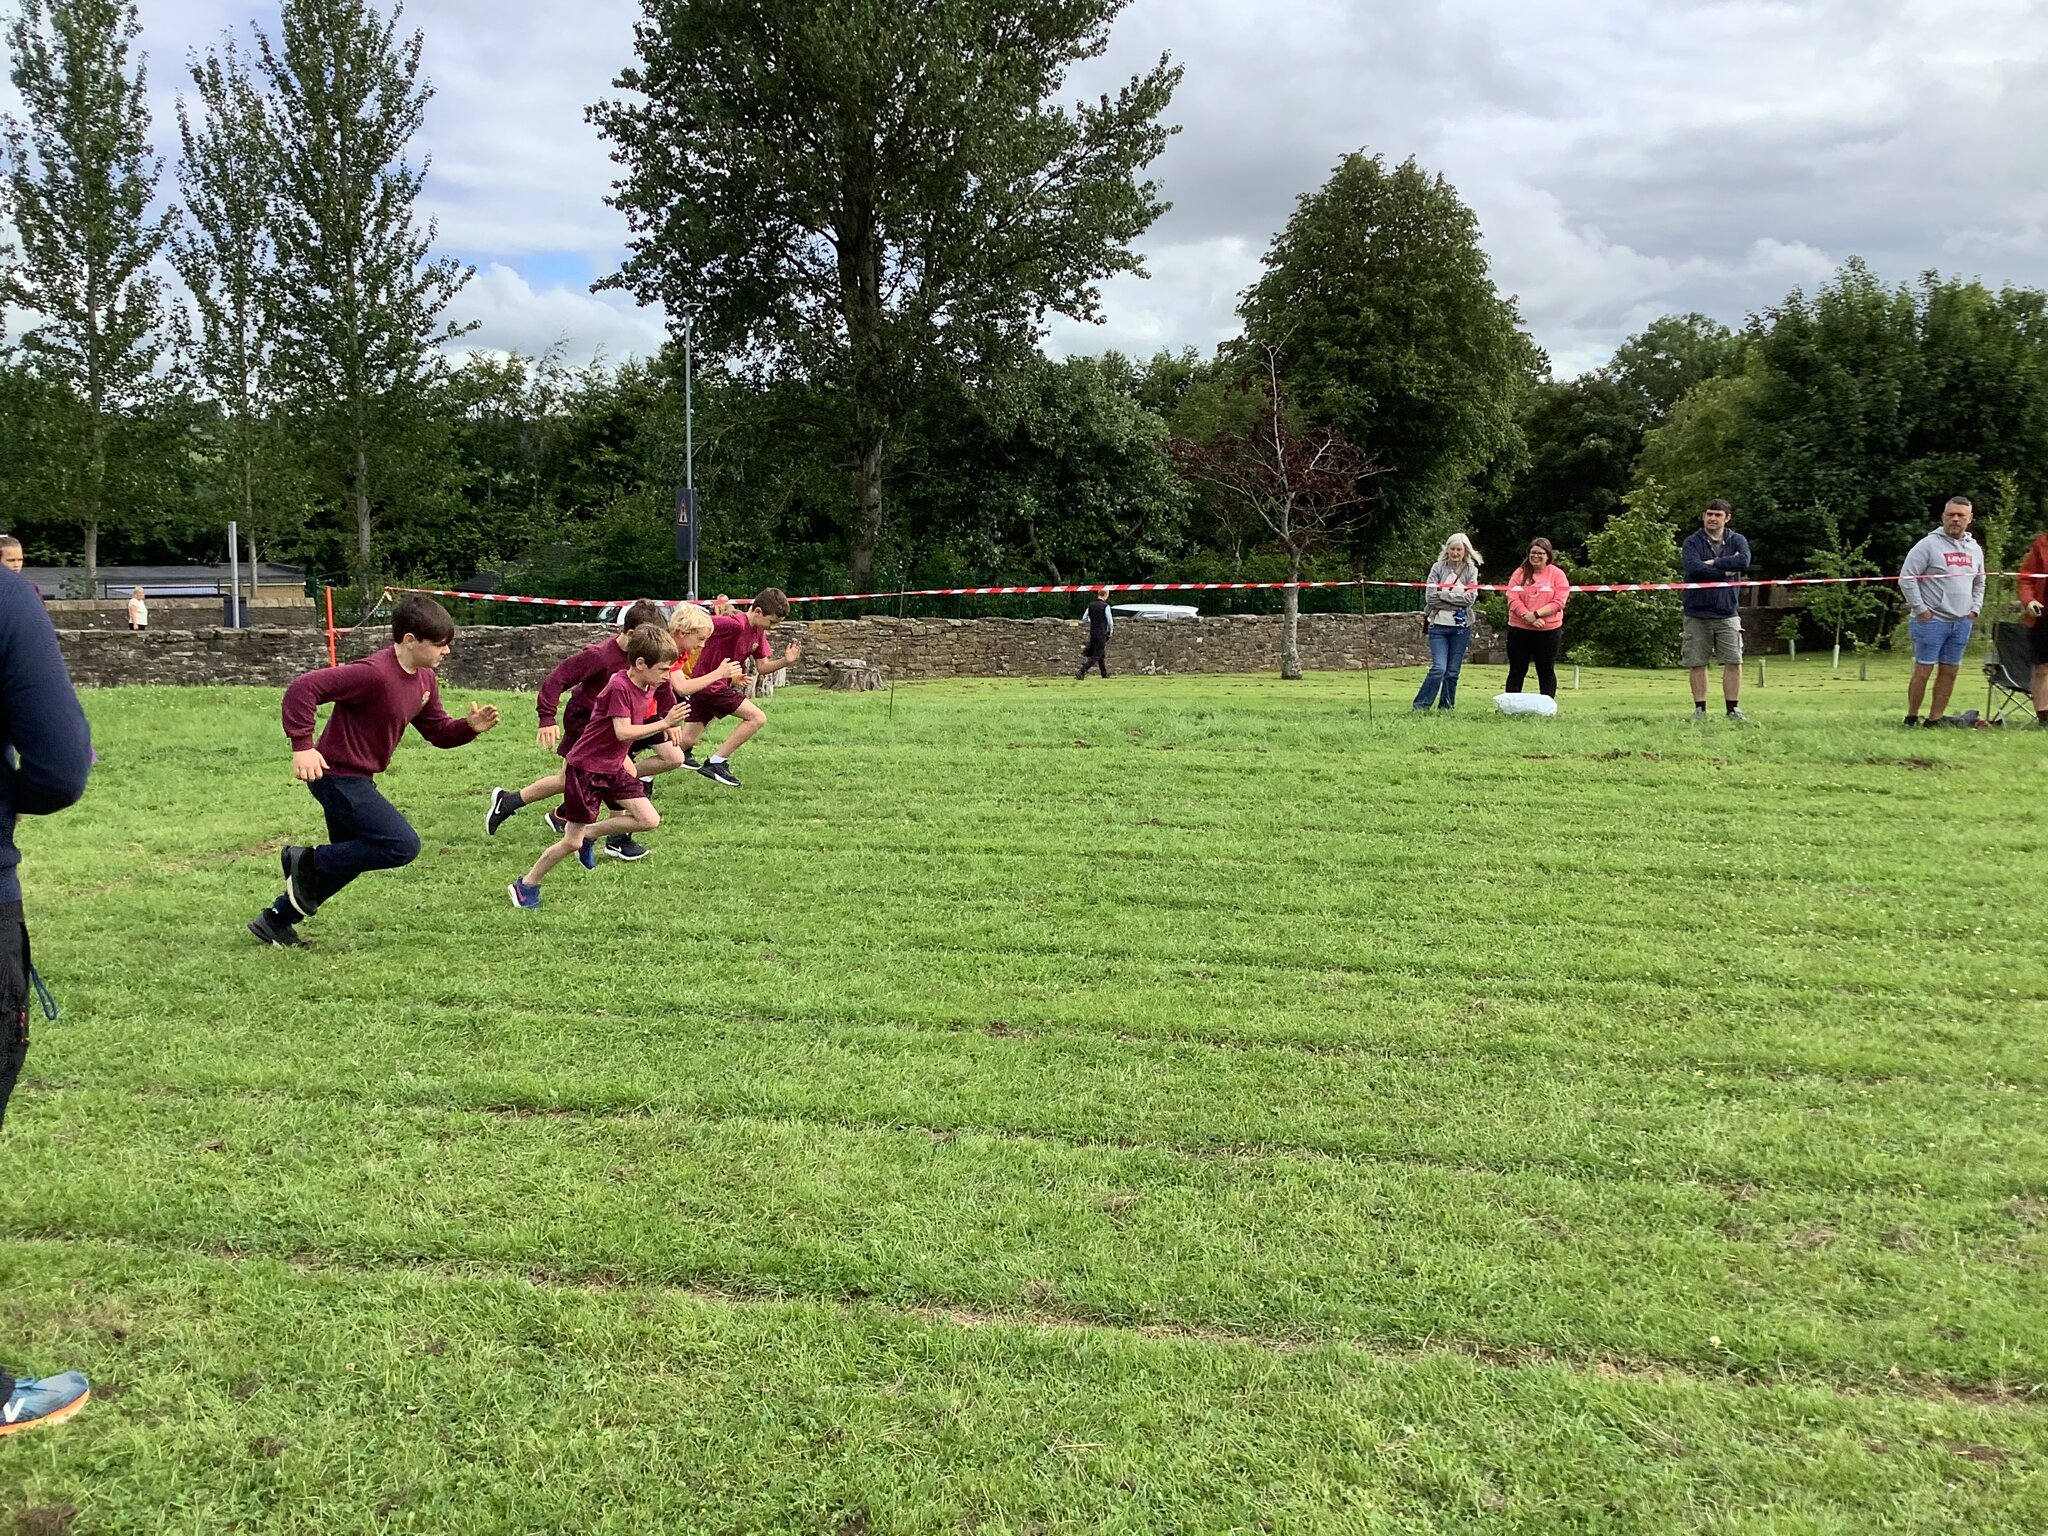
x,y
715,703
586,794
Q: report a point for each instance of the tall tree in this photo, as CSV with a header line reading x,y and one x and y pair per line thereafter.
x,y
1582,437
227,257
359,301
874,196
1673,354
1307,485
79,178
1378,293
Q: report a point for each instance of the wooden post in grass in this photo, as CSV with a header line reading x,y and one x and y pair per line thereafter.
x,y
330,627
1365,621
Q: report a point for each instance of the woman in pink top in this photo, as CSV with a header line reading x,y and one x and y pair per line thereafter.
x,y
1537,593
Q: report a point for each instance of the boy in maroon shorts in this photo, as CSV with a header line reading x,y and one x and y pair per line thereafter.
x,y
734,638
583,677
374,700
598,770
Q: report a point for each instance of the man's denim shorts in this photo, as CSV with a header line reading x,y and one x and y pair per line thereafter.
x,y
1940,642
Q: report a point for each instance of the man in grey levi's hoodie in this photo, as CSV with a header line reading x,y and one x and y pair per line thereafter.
x,y
1942,582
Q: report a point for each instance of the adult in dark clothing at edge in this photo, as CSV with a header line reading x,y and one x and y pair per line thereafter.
x,y
1099,625
45,754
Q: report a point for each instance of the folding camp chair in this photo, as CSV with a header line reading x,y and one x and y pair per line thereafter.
x,y
2009,671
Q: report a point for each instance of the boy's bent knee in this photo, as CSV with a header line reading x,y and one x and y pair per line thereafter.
x,y
650,818
401,848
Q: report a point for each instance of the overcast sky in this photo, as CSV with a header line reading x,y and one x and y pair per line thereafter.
x,y
1624,159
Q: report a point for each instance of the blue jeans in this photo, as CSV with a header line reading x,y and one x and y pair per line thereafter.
x,y
364,831
1447,646
1939,642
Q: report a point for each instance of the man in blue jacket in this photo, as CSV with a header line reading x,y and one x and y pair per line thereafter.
x,y
1713,627
45,752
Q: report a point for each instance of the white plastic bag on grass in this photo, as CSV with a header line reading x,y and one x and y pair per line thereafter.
x,y
1525,704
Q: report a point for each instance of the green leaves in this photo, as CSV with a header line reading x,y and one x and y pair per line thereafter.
x,y
1378,292
877,197
79,179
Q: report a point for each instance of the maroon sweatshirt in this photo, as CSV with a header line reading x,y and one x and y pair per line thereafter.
x,y
374,700
582,677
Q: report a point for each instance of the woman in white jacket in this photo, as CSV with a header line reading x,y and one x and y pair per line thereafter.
x,y
1447,602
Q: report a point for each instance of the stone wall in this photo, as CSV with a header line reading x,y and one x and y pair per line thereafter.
x,y
181,613
517,658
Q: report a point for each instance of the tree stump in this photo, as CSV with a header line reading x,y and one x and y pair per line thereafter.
x,y
848,675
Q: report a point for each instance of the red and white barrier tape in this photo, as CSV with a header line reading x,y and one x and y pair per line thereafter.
x,y
1051,588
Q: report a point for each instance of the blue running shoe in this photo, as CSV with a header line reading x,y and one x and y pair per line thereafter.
x,y
525,897
48,1400
556,824
586,854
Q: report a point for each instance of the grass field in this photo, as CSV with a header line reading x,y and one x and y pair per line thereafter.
x,y
1173,1105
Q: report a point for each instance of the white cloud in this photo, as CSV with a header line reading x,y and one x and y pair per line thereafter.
x,y
1624,159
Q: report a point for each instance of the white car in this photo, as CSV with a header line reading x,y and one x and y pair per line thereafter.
x,y
1173,611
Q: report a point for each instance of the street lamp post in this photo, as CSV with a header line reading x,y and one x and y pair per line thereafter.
x,y
690,448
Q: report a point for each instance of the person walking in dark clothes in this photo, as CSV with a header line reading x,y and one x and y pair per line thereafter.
x,y
45,754
1100,623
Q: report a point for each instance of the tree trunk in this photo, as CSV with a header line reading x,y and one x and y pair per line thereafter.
x,y
92,556
362,494
867,518
1290,620
249,525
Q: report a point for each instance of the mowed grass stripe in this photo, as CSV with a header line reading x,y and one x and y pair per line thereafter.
x,y
487,1406
1848,1288
1594,1121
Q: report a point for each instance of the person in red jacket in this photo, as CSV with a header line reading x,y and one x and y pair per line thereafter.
x,y
2033,597
374,700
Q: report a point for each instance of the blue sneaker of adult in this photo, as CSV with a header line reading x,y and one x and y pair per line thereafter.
x,y
586,854
43,1400
525,897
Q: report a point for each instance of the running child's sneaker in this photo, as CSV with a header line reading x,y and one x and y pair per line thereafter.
x,y
525,897
719,773
292,859
556,823
624,847
586,854
503,806
268,930
43,1400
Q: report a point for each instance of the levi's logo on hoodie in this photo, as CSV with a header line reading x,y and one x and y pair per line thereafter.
x,y
1960,559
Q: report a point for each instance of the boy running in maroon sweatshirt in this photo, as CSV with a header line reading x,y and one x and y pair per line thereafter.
x,y
583,677
374,700
741,638
598,771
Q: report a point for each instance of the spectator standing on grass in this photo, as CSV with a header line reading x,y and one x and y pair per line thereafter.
x,y
1942,582
1448,595
45,754
1713,626
1100,623
138,608
1537,593
2033,596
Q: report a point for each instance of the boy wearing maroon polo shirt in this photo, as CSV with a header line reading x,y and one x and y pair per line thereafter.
x,y
735,638
374,700
582,677
598,771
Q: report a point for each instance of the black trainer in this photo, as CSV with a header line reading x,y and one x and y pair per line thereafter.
x,y
292,858
647,784
268,930
623,847
504,805
556,824
690,759
719,773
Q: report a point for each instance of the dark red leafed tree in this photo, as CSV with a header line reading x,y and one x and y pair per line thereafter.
x,y
1307,485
